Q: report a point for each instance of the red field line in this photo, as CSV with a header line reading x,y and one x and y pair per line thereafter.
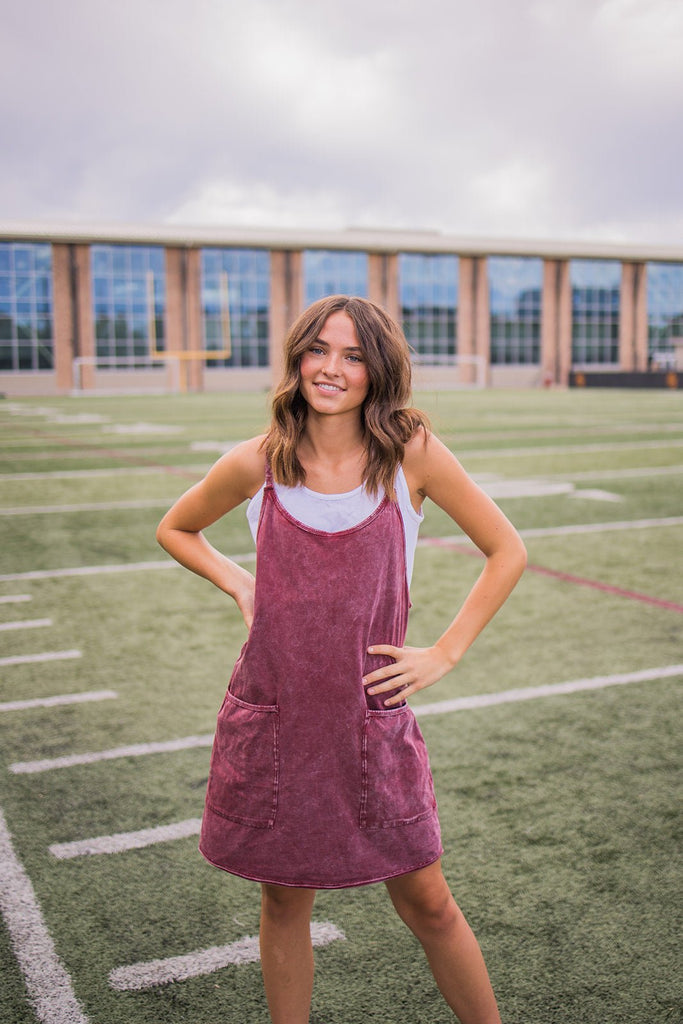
x,y
566,577
132,458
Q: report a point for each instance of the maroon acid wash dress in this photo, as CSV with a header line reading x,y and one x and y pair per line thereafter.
x,y
313,782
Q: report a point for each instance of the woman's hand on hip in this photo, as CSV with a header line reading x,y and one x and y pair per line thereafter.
x,y
413,669
243,595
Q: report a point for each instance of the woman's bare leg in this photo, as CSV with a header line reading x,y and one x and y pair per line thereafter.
x,y
424,901
286,952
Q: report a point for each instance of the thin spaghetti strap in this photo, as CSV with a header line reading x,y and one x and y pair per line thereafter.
x,y
268,485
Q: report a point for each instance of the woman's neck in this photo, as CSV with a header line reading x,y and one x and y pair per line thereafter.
x,y
333,454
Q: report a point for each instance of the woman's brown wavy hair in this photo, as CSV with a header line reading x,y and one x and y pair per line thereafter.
x,y
387,420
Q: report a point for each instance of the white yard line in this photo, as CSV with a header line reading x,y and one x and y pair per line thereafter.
x,y
206,961
250,556
623,524
96,570
88,570
93,474
571,449
487,700
48,984
15,598
440,707
31,659
122,841
25,624
91,506
564,531
632,473
92,757
58,700
88,474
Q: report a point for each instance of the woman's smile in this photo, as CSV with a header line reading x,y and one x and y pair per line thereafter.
x,y
334,367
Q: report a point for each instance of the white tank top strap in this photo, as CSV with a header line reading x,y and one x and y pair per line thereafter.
x,y
335,512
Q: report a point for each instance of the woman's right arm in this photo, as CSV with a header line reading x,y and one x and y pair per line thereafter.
x,y
235,478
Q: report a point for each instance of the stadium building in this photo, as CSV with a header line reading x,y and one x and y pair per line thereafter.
x,y
94,308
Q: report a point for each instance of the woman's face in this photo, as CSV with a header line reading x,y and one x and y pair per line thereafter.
x,y
334,374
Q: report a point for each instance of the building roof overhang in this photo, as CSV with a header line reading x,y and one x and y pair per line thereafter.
x,y
376,240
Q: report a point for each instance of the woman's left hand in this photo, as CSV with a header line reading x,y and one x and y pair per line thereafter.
x,y
413,669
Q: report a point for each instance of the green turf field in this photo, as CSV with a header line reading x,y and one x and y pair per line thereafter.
x,y
559,811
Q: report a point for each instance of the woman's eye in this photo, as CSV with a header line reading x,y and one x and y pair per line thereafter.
x,y
355,359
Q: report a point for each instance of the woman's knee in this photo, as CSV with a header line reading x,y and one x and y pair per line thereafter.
x,y
426,904
281,903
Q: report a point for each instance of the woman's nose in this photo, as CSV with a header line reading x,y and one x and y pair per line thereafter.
x,y
332,364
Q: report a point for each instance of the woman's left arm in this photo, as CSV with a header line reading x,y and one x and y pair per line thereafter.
x,y
433,471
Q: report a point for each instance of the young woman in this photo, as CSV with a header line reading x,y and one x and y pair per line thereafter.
x,y
319,774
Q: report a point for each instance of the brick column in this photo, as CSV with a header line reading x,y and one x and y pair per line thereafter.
x,y
466,312
549,323
286,302
627,318
83,328
195,337
474,322
633,347
62,317
383,285
564,322
640,334
482,319
183,315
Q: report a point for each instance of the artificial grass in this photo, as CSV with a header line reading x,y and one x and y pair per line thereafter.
x,y
559,814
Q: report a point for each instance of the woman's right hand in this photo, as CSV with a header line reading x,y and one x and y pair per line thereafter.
x,y
244,596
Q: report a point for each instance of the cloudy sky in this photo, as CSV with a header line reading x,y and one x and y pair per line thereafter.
x,y
522,118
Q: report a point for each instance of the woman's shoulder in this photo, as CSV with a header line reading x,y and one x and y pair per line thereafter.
x,y
424,457
244,465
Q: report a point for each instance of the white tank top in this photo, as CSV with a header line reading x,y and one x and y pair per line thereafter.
x,y
335,512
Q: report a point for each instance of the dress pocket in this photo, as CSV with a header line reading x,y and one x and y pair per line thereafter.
x,y
397,787
245,763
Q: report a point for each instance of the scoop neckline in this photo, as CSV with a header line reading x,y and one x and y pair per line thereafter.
x,y
335,496
384,501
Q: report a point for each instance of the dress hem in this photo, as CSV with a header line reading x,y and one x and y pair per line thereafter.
x,y
323,885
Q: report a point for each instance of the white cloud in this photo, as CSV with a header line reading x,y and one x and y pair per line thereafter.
x,y
539,117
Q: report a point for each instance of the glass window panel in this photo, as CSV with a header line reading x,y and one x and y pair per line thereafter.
x,y
23,259
101,260
138,262
42,257
102,288
328,272
210,262
23,287
121,260
664,310
428,290
6,355
596,291
45,357
156,260
121,327
121,297
248,279
5,258
24,329
25,357
515,289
